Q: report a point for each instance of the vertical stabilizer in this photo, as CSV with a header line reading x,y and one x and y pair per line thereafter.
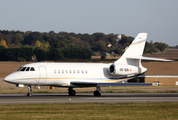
x,y
135,49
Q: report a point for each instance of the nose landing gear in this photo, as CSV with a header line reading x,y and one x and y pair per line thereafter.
x,y
30,89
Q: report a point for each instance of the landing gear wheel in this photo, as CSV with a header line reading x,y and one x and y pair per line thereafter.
x,y
29,94
72,92
97,93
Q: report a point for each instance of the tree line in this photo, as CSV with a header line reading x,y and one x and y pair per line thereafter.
x,y
66,45
54,54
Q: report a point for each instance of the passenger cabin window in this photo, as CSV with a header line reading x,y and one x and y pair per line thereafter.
x,y
70,71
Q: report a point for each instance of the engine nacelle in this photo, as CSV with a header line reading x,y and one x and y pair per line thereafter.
x,y
117,69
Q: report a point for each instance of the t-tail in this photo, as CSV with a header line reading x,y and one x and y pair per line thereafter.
x,y
134,50
132,57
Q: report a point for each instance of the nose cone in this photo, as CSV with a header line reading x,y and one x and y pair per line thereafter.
x,y
10,78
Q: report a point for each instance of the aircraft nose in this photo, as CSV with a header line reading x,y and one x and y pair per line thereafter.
x,y
10,78
7,79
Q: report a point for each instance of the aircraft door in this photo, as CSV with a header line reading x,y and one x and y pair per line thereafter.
x,y
42,74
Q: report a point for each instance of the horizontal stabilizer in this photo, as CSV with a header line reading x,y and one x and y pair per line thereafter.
x,y
148,58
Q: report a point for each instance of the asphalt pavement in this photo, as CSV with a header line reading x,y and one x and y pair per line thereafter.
x,y
88,98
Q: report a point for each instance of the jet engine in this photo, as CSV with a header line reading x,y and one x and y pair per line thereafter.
x,y
117,69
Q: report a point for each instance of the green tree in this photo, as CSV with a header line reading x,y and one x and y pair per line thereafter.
x,y
40,54
147,48
17,38
32,37
153,49
25,53
60,44
99,46
2,47
98,36
161,46
55,54
77,53
118,51
112,40
87,38
79,43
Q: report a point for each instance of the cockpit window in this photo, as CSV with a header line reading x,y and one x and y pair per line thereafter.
x,y
28,69
23,69
19,69
32,69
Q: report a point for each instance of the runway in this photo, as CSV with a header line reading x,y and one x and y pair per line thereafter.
x,y
88,98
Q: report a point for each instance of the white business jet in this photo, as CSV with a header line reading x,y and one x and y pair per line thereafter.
x,y
77,75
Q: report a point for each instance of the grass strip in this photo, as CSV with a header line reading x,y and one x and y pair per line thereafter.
x,y
92,111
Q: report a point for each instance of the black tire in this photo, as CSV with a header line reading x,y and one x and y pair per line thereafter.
x,y
72,93
97,93
29,94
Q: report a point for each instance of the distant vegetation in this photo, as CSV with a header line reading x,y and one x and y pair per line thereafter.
x,y
17,45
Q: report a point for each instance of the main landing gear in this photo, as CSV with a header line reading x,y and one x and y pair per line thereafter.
x,y
30,89
97,92
71,92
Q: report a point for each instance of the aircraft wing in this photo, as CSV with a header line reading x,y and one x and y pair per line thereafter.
x,y
124,84
89,84
85,84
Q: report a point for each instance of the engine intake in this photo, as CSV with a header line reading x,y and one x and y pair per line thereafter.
x,y
112,69
122,69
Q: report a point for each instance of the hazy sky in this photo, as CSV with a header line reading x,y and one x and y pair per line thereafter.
x,y
159,18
